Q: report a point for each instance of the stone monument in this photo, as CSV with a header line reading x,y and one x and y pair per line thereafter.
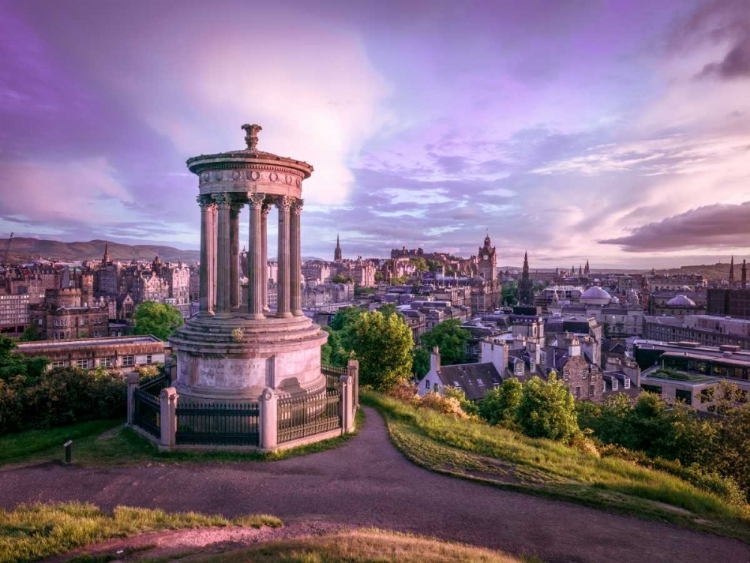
x,y
233,350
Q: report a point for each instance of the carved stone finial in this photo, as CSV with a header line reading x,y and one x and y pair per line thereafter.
x,y
251,136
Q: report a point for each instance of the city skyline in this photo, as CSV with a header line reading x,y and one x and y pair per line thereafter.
x,y
616,133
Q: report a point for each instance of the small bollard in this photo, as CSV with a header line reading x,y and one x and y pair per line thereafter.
x,y
68,450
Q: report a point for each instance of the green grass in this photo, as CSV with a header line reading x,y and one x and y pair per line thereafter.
x,y
474,450
361,546
33,532
123,446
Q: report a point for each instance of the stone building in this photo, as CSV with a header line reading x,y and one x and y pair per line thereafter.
x,y
729,302
123,354
14,314
707,330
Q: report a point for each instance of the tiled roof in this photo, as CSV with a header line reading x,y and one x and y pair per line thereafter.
x,y
474,379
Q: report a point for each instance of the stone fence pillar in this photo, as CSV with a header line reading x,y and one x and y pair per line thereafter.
x,y
168,418
268,420
346,388
133,379
352,370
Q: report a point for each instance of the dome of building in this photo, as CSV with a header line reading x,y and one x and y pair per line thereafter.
x,y
595,295
680,301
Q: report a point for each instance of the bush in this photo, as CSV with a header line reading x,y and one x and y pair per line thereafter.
x,y
61,396
547,410
500,405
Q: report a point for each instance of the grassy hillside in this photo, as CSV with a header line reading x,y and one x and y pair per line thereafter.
x,y
23,249
474,450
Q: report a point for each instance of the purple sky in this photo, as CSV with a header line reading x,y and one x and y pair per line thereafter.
x,y
614,131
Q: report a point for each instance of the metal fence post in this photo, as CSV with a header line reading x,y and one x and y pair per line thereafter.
x,y
347,404
352,369
168,416
268,419
132,386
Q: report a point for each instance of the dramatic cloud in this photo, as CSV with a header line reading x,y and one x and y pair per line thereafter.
x,y
717,226
549,125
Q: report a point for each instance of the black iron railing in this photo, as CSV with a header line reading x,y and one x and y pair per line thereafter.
x,y
299,417
147,411
234,424
332,374
154,385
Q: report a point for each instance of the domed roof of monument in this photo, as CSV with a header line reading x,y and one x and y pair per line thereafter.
x,y
595,292
249,154
681,301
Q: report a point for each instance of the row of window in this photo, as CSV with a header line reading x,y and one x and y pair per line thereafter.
x,y
88,363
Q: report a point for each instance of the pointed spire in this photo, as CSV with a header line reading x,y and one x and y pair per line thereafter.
x,y
731,270
744,274
105,258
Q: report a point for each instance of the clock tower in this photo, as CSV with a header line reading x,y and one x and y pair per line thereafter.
x,y
488,261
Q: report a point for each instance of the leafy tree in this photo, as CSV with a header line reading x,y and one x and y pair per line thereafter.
x,y
331,352
500,405
158,319
13,364
388,309
510,294
341,278
31,333
420,359
383,347
732,453
450,338
547,410
379,276
344,317
420,264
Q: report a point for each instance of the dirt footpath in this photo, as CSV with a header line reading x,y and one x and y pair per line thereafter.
x,y
367,482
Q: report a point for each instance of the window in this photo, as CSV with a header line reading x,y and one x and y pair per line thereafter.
x,y
684,396
105,362
578,393
58,364
427,384
128,361
591,391
83,364
148,359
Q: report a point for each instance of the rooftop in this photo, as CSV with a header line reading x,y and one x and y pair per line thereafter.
x,y
87,342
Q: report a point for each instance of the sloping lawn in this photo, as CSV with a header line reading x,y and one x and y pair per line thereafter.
x,y
477,451
33,532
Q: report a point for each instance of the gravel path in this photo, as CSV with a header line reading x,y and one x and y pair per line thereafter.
x,y
367,482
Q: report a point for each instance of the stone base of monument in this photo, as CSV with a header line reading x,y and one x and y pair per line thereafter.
x,y
235,358
308,402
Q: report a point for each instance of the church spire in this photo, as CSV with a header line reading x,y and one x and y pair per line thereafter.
x,y
731,270
744,274
105,258
337,252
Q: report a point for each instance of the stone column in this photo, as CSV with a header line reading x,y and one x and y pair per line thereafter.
x,y
168,417
205,291
352,370
266,209
347,404
268,423
223,255
295,259
133,379
212,213
282,309
234,243
255,258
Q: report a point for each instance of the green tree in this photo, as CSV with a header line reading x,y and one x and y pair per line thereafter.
x,y
420,361
341,278
547,410
31,333
344,317
500,405
383,347
158,319
450,338
731,457
420,264
388,309
331,352
469,407
13,364
510,294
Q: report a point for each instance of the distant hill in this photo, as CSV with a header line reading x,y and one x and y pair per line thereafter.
x,y
26,249
718,271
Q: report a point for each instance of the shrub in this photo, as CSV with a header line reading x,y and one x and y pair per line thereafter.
x,y
547,410
61,396
500,405
442,404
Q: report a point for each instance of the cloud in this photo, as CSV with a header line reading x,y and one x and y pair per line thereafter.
x,y
719,225
736,64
